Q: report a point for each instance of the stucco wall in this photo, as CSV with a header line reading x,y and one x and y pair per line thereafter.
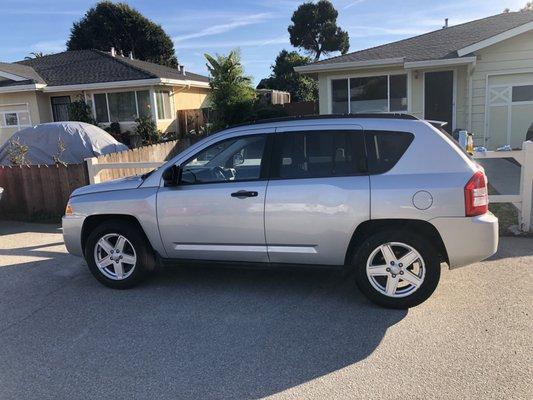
x,y
510,56
28,98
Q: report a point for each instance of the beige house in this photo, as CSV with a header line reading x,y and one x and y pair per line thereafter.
x,y
476,76
118,89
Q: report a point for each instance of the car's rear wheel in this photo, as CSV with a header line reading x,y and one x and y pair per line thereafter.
x,y
118,255
397,269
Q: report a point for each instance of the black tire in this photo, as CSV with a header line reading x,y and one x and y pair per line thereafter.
x,y
421,245
145,258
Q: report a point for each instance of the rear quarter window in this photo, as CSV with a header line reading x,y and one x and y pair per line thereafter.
x,y
385,148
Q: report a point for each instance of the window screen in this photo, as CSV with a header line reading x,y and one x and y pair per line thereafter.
x,y
319,154
385,148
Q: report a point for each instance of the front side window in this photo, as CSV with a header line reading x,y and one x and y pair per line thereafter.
x,y
318,154
122,106
385,148
385,93
162,98
368,94
236,159
100,105
339,88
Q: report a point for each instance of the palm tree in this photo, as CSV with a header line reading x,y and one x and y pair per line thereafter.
x,y
35,54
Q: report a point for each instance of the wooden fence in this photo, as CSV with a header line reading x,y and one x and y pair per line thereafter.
x,y
146,154
38,192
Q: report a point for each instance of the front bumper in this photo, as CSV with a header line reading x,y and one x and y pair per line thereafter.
x,y
468,239
72,225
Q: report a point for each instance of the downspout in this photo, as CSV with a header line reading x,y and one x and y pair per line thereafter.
x,y
470,72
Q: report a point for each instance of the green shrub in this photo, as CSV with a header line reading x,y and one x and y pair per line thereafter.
x,y
147,130
80,111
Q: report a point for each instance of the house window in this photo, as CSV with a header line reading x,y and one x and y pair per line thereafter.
x,y
122,106
522,93
162,99
384,93
11,119
143,102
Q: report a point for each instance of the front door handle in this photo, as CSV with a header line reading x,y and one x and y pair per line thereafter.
x,y
241,194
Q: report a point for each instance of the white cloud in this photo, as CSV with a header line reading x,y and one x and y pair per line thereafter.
x,y
49,46
232,43
226,27
352,3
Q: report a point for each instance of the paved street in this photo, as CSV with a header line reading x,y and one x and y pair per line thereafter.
x,y
205,333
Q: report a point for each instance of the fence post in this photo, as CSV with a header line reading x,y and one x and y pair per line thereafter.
x,y
92,170
526,186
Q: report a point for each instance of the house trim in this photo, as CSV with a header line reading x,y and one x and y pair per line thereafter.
x,y
21,88
349,65
125,84
495,39
13,77
440,63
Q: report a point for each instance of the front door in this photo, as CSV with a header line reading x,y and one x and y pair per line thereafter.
x,y
60,105
438,97
318,193
217,210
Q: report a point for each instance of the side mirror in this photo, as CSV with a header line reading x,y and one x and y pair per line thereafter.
x,y
171,176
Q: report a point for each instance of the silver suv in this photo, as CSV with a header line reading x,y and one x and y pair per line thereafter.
x,y
391,196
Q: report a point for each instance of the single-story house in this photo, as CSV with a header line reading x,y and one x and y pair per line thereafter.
x,y
118,89
476,76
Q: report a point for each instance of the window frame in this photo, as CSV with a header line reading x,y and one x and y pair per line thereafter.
x,y
264,172
360,76
166,118
18,125
106,93
276,154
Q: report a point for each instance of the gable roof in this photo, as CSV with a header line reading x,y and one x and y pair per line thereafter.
x,y
15,74
441,44
84,67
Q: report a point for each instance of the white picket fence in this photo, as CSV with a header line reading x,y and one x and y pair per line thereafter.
x,y
522,200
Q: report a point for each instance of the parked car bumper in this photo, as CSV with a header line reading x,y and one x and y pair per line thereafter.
x,y
468,240
72,225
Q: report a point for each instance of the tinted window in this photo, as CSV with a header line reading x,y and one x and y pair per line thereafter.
x,y
368,94
318,154
385,148
236,159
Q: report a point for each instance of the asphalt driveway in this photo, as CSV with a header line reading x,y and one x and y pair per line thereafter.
x,y
205,333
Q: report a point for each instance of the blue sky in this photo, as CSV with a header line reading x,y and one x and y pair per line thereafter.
x,y
258,28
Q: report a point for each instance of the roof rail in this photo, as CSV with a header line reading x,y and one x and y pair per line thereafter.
x,y
326,116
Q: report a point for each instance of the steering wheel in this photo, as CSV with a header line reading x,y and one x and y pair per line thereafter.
x,y
218,173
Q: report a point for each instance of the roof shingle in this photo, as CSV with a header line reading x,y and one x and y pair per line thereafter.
x,y
441,44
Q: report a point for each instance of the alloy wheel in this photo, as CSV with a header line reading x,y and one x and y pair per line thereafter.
x,y
395,269
115,256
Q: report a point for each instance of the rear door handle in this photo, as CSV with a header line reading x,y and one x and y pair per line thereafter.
x,y
241,194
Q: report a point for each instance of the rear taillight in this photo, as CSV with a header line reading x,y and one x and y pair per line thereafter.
x,y
476,195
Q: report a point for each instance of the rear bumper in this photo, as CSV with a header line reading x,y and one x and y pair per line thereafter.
x,y
72,225
468,239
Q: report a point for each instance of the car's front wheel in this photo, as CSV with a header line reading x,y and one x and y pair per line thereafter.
x,y
397,269
118,255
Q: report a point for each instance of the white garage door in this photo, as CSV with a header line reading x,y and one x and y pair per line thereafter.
x,y
13,117
509,109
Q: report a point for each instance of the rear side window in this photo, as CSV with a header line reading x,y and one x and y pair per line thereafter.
x,y
318,154
385,148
